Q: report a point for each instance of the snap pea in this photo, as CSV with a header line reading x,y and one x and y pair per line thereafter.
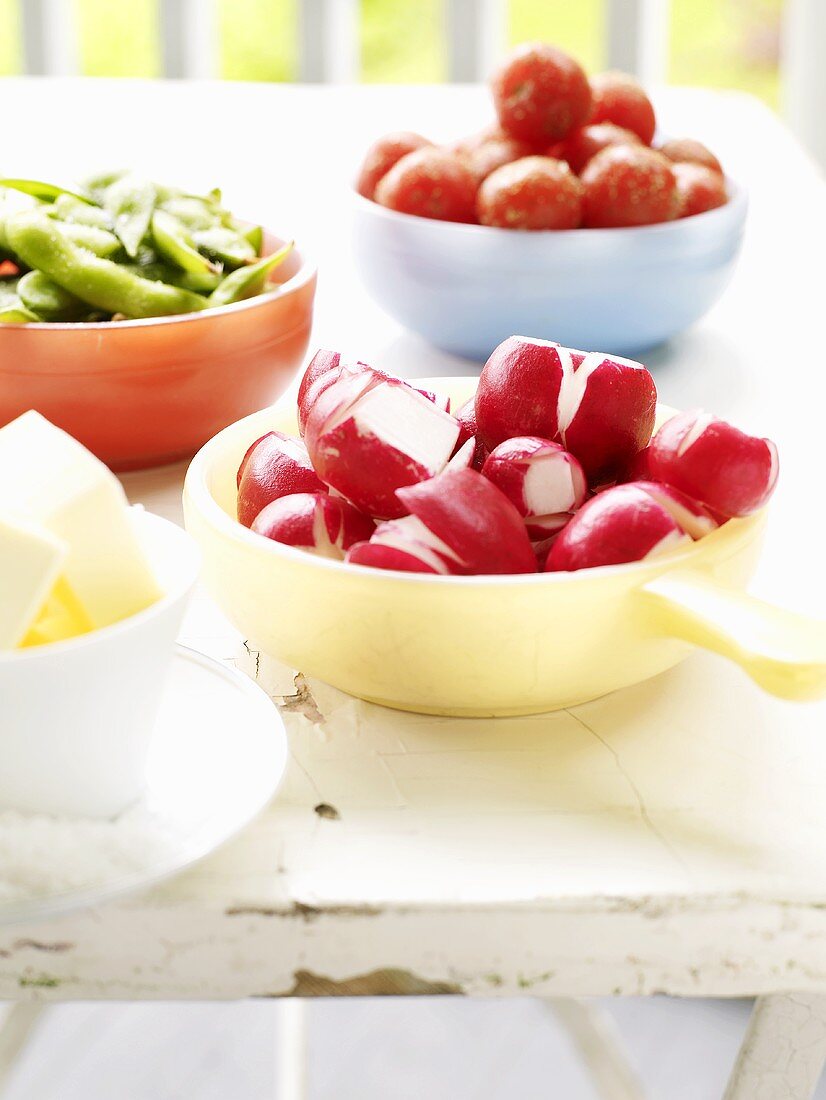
x,y
174,243
101,283
38,189
225,245
248,281
39,294
165,273
129,202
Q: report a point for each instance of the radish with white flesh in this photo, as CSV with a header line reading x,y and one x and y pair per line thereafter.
x,y
622,524
543,481
315,522
274,466
466,416
464,457
695,519
404,544
601,408
368,436
474,520
732,473
326,367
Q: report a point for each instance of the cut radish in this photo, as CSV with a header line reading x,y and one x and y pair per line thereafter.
x,y
732,473
619,525
274,466
368,435
693,517
601,408
474,520
315,522
544,482
464,456
405,544
466,416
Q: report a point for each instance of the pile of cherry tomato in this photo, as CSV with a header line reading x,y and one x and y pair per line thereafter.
x,y
566,152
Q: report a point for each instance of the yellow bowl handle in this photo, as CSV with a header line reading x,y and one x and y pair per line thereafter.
x,y
785,653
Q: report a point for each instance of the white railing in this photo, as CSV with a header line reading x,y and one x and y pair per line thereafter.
x,y
475,30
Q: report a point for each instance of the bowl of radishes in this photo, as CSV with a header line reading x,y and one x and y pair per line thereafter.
x,y
557,536
569,217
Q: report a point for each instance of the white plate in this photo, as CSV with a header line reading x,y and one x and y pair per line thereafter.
x,y
219,754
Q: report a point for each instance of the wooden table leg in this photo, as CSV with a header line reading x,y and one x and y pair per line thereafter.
x,y
291,1050
783,1050
596,1037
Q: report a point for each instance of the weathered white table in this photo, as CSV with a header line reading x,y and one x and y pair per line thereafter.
x,y
668,839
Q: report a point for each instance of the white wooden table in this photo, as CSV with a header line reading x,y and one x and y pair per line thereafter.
x,y
667,839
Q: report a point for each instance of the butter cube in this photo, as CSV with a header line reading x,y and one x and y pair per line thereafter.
x,y
52,480
61,617
30,560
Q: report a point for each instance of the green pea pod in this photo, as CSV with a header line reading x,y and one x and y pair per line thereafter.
x,y
100,241
17,315
38,293
230,248
43,245
191,212
248,281
202,283
45,192
174,243
255,236
98,184
129,202
68,209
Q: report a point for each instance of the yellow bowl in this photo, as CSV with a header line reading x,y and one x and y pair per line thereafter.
x,y
488,645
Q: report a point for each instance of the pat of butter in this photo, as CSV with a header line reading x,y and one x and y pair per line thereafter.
x,y
51,479
30,560
61,617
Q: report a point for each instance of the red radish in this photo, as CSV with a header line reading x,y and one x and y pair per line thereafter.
x,y
316,522
689,151
540,93
531,193
583,144
627,185
475,520
698,189
382,155
695,519
404,544
274,466
601,408
606,412
326,367
430,183
732,473
466,416
622,524
639,468
463,457
541,480
368,435
618,98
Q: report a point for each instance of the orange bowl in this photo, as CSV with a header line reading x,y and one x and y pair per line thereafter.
x,y
144,393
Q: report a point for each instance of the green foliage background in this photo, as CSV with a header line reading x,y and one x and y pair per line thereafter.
x,y
721,43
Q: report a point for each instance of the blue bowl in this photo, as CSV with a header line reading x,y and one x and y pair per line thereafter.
x,y
465,288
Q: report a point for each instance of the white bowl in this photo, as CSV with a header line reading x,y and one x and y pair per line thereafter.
x,y
466,288
77,717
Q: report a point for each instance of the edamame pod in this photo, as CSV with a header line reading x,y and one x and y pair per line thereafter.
x,y
174,243
69,209
191,212
129,202
255,235
248,281
45,192
99,241
39,294
42,244
230,248
17,315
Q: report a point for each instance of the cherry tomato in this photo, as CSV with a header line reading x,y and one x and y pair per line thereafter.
x,y
583,144
431,183
532,193
382,155
628,185
689,151
698,189
469,144
541,94
486,158
618,98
